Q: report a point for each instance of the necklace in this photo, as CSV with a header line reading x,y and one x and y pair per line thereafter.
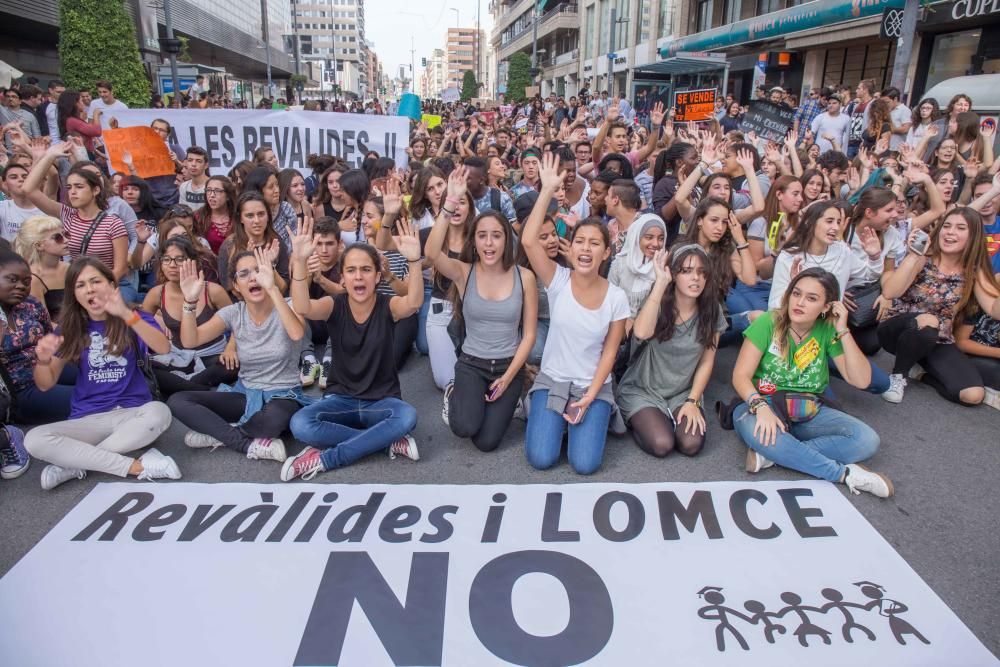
x,y
798,337
820,261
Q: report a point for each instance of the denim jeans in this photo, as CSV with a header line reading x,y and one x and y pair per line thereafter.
x,y
422,320
820,447
348,428
880,379
34,406
129,293
535,356
740,300
543,438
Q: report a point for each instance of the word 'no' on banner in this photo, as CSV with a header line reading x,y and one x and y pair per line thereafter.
x,y
774,573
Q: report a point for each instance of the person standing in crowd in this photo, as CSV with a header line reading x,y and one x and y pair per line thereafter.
x,y
676,333
105,101
941,281
192,191
362,411
50,108
573,388
780,376
831,128
902,117
17,207
530,160
484,197
15,113
113,410
810,109
498,312
858,112
250,416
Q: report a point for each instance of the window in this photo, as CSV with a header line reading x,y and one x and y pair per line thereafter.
x,y
621,27
704,15
588,34
768,6
731,11
605,17
644,22
666,18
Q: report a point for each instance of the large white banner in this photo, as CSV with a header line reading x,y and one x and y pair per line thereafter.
x,y
774,573
231,135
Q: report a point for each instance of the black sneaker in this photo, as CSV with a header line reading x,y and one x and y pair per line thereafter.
x,y
324,373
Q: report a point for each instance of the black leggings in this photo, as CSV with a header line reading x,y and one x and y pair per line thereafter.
x,y
403,338
210,378
949,371
470,415
656,434
989,370
867,339
211,412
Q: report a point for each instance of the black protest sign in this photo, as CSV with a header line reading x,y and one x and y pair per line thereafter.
x,y
770,121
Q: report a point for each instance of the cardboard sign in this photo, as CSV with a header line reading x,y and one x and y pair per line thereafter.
x,y
430,120
149,153
488,117
694,105
770,121
381,575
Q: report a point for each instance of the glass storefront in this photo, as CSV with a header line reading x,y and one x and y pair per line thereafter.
x,y
952,55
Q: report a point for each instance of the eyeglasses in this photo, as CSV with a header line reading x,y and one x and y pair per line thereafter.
x,y
172,261
214,191
58,237
244,274
161,130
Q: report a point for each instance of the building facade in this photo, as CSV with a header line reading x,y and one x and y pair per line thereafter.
x,y
332,33
556,40
463,53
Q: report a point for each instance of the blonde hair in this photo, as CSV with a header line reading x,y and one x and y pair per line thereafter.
x,y
35,229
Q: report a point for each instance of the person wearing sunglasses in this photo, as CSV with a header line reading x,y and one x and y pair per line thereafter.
x,y
42,243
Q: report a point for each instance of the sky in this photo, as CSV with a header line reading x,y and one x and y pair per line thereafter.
x,y
390,24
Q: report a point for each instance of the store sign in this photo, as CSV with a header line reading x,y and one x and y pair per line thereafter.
x,y
970,9
694,105
775,574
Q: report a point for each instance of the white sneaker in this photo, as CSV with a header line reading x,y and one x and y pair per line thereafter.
x,y
405,446
917,373
267,448
992,398
308,372
445,408
521,411
157,466
756,462
324,373
53,476
859,478
897,385
196,440
617,423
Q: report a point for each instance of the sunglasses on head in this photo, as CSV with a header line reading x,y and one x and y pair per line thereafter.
x,y
181,210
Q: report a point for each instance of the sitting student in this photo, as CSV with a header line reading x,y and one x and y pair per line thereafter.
x,y
498,310
934,286
362,411
167,301
718,231
253,230
632,268
553,246
661,393
268,335
324,279
979,338
780,375
112,410
41,242
588,314
27,322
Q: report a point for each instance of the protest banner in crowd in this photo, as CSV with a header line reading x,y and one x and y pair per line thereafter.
x,y
149,154
770,121
694,105
231,135
774,573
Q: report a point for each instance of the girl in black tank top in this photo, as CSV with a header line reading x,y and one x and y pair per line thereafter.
x,y
167,301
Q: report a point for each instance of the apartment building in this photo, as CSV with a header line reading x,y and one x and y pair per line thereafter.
x,y
557,35
462,51
332,32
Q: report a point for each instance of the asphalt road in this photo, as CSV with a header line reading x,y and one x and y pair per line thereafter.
x,y
943,459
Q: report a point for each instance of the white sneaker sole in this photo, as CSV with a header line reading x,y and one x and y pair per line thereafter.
x,y
891,399
888,482
992,398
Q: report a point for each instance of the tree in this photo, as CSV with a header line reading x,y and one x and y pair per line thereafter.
x,y
97,41
469,87
518,76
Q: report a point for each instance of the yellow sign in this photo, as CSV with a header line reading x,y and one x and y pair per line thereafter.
x,y
430,121
806,354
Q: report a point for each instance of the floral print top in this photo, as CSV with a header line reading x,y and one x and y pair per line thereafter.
x,y
934,293
26,324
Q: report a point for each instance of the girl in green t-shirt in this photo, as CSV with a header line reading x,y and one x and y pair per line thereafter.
x,y
784,357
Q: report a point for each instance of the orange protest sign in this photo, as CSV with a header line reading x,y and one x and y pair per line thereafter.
x,y
694,105
150,155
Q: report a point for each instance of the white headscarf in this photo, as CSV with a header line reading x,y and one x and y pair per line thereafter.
x,y
632,271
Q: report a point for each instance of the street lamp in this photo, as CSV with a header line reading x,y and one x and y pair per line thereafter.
x,y
267,49
456,16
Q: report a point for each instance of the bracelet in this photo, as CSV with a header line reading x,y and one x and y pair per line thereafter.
x,y
193,303
186,308
691,400
298,280
841,334
756,404
134,320
742,247
444,210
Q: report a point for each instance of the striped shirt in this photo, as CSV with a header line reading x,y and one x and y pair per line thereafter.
x,y
101,243
399,267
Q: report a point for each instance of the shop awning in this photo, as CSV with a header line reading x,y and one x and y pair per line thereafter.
x,y
684,65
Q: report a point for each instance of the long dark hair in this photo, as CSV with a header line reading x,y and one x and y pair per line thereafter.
x,y
66,109
148,209
666,161
355,184
468,254
872,198
420,203
322,195
239,235
708,305
183,244
95,181
74,320
203,216
238,174
803,233
258,178
720,253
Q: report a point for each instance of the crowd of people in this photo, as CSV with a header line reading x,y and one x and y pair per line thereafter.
x,y
573,264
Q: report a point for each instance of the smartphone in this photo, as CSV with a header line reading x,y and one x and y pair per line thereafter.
x,y
919,243
491,396
574,414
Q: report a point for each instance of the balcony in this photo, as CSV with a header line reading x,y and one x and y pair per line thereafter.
x,y
561,17
564,58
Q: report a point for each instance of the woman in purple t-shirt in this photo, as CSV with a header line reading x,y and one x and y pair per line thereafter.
x,y
113,411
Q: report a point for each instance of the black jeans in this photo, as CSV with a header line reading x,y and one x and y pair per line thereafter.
x,y
470,414
989,370
949,371
211,412
210,378
404,336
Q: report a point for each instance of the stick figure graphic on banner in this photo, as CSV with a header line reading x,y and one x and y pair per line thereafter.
x,y
891,609
806,626
836,599
760,614
714,598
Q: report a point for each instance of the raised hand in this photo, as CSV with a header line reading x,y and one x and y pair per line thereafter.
x,y
839,313
265,271
273,251
392,201
457,182
657,114
791,139
869,241
192,281
47,347
549,172
408,241
303,241
114,304
736,229
661,266
143,232
745,159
